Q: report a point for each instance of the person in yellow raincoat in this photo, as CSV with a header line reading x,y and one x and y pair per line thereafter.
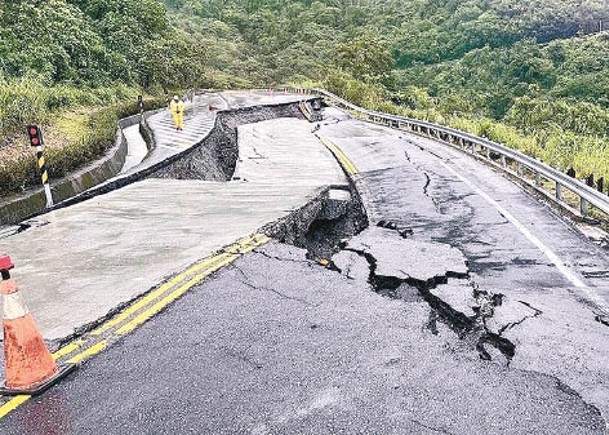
x,y
177,110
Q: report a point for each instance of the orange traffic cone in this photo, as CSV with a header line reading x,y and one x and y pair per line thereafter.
x,y
29,366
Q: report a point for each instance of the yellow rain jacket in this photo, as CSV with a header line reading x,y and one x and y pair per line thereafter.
x,y
177,110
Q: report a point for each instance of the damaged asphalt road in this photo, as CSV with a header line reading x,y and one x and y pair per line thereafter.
x,y
439,317
513,307
277,344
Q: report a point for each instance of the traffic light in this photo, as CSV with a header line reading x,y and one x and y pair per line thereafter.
x,y
35,134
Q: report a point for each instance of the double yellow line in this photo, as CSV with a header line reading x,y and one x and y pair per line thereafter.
x,y
144,308
342,158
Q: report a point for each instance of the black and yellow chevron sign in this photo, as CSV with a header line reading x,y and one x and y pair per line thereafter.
x,y
42,166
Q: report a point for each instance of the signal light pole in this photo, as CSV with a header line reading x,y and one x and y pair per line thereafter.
x,y
37,141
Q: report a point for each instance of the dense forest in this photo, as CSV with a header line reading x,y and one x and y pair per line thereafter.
x,y
523,73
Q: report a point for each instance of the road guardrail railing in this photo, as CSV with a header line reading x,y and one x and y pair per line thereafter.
x,y
543,178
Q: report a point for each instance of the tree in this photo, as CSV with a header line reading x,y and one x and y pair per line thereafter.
x,y
367,58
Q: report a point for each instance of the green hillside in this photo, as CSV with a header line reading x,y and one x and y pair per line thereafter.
x,y
518,72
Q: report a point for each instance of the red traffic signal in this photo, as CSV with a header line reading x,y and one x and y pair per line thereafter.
x,y
35,134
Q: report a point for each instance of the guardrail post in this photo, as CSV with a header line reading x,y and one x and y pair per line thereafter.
x,y
503,162
461,144
488,153
538,179
519,169
583,207
559,191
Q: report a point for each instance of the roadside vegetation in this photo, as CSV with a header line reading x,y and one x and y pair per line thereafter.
x,y
521,73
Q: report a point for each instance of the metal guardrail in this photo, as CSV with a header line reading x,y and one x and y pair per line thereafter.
x,y
507,159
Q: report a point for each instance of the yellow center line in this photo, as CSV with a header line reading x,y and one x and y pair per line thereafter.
x,y
210,265
12,404
175,281
340,155
155,294
93,350
150,312
343,157
168,285
68,349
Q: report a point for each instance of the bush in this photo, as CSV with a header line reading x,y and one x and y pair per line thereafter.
x,y
21,101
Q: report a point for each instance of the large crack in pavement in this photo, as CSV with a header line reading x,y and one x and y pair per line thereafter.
x,y
399,267
428,195
510,309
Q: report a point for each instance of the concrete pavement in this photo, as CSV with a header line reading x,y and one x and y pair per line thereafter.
x,y
91,257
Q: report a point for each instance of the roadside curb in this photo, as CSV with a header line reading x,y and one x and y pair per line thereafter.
x,y
33,203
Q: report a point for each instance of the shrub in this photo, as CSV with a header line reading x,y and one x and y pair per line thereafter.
x,y
21,101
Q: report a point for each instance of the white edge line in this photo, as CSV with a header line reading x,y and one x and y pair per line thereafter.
x,y
560,265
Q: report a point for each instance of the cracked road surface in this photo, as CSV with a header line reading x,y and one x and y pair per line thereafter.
x,y
117,246
515,307
441,317
276,344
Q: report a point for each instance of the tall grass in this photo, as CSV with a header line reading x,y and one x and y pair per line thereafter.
x,y
86,135
27,100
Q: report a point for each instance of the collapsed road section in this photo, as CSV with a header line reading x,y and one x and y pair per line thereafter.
x,y
422,315
86,259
